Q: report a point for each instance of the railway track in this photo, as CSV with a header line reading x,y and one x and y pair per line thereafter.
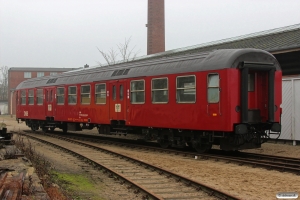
x,y
150,181
283,164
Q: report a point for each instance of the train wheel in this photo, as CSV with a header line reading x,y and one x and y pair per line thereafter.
x,y
202,145
45,129
101,129
163,139
34,127
164,143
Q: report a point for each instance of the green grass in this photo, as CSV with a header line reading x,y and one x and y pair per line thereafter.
x,y
76,184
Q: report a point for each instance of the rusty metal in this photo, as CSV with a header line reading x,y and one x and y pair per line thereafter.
x,y
11,187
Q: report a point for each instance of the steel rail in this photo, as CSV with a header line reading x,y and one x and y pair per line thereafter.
x,y
197,185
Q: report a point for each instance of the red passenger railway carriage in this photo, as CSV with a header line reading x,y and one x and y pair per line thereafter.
x,y
226,97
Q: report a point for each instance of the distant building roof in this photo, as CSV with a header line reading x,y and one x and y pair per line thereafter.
x,y
273,40
40,69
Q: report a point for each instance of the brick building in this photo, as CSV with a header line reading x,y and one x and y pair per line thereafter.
x,y
18,74
156,26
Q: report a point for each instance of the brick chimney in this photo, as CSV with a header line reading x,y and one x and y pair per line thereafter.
x,y
156,26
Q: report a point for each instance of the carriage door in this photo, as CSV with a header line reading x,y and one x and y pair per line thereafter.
x,y
118,102
213,95
49,99
257,92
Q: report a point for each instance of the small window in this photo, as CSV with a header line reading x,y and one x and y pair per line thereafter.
x,y
213,88
186,89
114,92
39,96
121,92
85,94
27,74
40,74
60,95
100,94
137,91
72,95
53,73
251,78
30,97
160,90
23,97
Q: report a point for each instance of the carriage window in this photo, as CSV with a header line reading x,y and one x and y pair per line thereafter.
x,y
23,97
160,90
137,91
60,93
213,88
39,96
186,89
30,97
121,92
114,93
85,94
100,94
72,95
251,78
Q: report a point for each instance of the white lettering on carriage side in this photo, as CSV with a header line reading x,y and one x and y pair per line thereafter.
x,y
117,107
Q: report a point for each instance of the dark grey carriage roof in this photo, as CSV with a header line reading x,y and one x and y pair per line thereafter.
x,y
211,60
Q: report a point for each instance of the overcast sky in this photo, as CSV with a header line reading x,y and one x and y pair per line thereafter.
x,y
66,33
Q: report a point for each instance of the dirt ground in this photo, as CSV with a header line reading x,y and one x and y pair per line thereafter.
x,y
242,181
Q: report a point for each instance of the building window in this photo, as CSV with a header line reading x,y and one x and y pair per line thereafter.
x,y
85,94
53,73
30,97
160,90
186,89
27,74
213,90
39,96
72,95
137,91
100,94
40,74
23,97
60,93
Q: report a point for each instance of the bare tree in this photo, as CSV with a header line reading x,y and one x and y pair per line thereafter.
x,y
127,54
4,83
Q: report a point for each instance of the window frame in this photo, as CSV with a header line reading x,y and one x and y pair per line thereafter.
x,y
30,96
121,92
85,94
208,87
137,91
99,93
27,73
186,88
41,96
72,95
23,97
152,90
59,95
38,74
53,73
